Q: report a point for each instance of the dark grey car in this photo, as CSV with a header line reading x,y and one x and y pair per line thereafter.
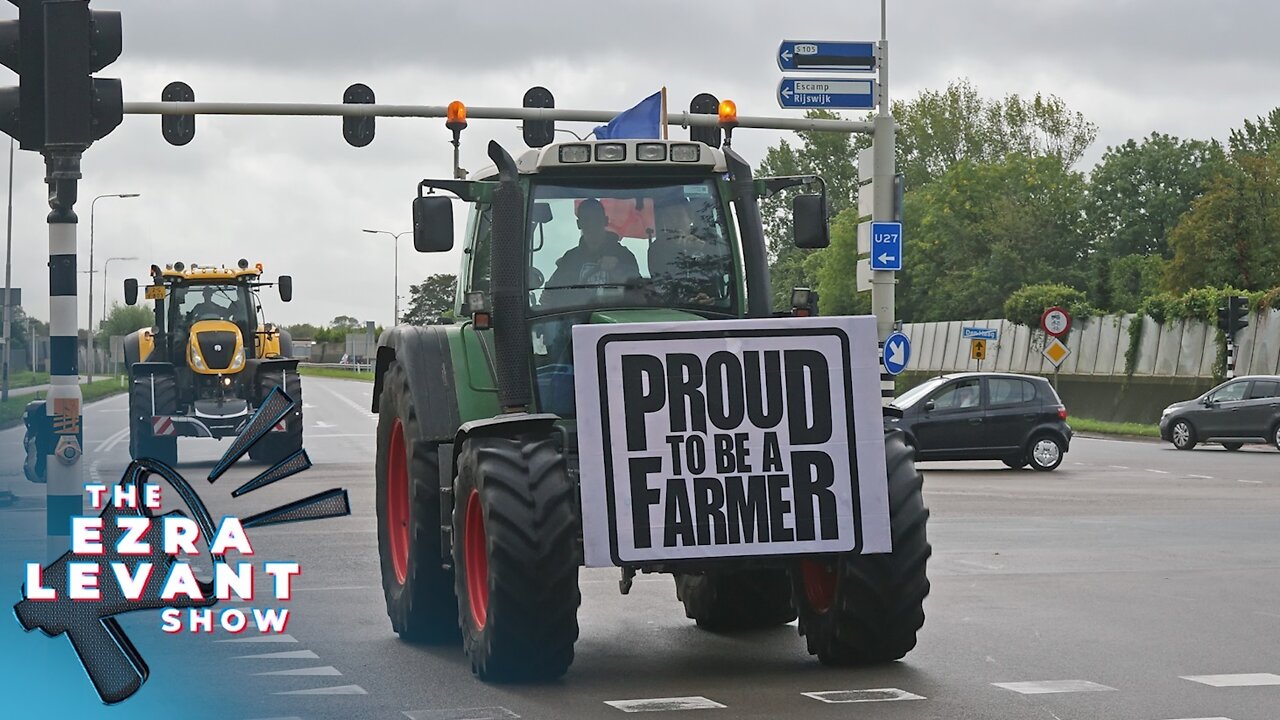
x,y
1017,419
1240,411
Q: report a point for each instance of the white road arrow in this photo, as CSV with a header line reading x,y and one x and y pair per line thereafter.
x,y
895,354
886,258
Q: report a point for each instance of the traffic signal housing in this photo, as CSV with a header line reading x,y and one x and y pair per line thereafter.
x,y
78,42
22,51
1234,316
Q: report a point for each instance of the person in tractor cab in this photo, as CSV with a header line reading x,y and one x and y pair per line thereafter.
x,y
207,309
684,267
598,262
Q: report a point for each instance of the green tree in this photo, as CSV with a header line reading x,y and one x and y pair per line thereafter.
x,y
1026,305
431,298
1138,191
1230,235
302,331
837,270
1257,138
981,231
345,322
122,320
1130,280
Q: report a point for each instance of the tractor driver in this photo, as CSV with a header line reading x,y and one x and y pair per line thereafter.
x,y
207,309
598,262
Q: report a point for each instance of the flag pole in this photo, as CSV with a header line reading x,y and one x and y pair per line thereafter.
x,y
664,112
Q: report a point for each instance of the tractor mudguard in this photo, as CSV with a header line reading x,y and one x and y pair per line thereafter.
x,y
423,351
155,375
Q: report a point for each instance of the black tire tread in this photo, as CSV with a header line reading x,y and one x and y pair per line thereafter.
x,y
424,609
531,529
141,443
879,601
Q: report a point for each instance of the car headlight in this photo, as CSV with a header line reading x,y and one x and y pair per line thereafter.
x,y
1166,411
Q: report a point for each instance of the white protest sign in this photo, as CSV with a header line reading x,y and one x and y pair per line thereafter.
x,y
730,438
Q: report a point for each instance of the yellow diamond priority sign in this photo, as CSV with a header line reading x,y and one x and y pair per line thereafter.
x,y
1056,351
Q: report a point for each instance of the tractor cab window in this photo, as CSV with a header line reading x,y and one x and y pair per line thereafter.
x,y
190,304
663,245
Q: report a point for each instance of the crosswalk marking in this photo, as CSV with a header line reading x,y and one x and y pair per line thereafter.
x,y
854,696
695,702
1236,680
336,690
1041,687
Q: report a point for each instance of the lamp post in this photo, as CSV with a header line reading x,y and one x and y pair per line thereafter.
x,y
395,239
91,204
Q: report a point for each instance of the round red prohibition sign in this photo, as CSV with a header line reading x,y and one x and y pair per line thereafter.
x,y
1056,321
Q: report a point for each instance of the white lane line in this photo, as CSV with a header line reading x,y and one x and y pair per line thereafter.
x,y
1251,482
1158,472
694,702
1201,477
484,713
110,443
1219,717
288,655
1118,467
326,670
854,696
1236,680
286,638
1042,687
358,407
335,690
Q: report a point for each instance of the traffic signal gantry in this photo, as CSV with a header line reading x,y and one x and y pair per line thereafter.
x,y
59,109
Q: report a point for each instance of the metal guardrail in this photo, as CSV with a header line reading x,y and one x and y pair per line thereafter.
x,y
356,367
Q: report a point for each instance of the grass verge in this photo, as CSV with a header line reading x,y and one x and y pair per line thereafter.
x,y
341,373
11,410
26,378
1113,428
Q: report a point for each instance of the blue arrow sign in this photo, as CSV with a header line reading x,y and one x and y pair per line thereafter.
x,y
834,93
886,246
827,55
896,354
977,333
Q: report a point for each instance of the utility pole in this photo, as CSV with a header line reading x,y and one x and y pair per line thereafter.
x,y
883,282
92,272
395,239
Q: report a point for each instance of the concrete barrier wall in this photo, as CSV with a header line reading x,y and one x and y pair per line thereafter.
x,y
1098,346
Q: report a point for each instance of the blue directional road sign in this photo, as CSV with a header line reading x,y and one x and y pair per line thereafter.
x,y
886,246
977,333
896,354
827,55
834,93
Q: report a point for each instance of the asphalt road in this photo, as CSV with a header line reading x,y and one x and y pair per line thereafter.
x,y
1135,581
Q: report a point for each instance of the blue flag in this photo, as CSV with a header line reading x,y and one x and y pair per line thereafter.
x,y
642,121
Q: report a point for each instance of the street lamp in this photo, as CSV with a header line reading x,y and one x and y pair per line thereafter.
x,y
395,238
105,292
91,204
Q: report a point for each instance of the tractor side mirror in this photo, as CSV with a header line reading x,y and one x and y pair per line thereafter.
x,y
285,285
541,213
809,219
432,224
131,291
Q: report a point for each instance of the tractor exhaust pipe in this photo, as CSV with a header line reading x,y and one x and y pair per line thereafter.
x,y
513,344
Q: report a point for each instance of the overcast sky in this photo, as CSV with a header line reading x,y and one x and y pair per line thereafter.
x,y
290,193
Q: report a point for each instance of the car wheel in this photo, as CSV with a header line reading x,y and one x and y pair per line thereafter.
x,y
1045,453
1275,436
1183,435
1233,446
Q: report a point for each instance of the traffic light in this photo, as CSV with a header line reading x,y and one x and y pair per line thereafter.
x,y
22,51
80,108
1234,316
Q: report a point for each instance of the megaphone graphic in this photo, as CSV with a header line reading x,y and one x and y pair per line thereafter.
x,y
113,664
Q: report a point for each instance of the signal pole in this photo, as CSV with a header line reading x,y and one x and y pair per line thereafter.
x,y
883,137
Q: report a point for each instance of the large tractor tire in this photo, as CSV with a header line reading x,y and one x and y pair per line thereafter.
x,y
417,588
277,445
723,601
863,609
142,444
516,557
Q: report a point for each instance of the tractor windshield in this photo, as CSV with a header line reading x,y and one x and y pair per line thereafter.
x,y
652,245
192,303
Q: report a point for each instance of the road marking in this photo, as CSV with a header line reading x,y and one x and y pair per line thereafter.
x,y
287,655
286,638
1201,477
1042,687
694,702
1251,482
359,408
326,670
1219,717
1158,472
484,713
1118,467
854,696
1237,680
335,690
110,443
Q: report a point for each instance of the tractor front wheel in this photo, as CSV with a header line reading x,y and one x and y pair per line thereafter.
x,y
516,557
862,609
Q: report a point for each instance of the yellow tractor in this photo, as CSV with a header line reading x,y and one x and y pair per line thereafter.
x,y
208,362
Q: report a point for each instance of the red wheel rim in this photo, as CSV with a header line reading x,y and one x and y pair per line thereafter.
x,y
477,561
819,585
398,502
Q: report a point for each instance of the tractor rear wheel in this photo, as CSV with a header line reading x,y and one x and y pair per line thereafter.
x,y
515,550
861,609
737,600
417,588
142,444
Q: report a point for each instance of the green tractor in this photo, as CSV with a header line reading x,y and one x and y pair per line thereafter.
x,y
491,476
